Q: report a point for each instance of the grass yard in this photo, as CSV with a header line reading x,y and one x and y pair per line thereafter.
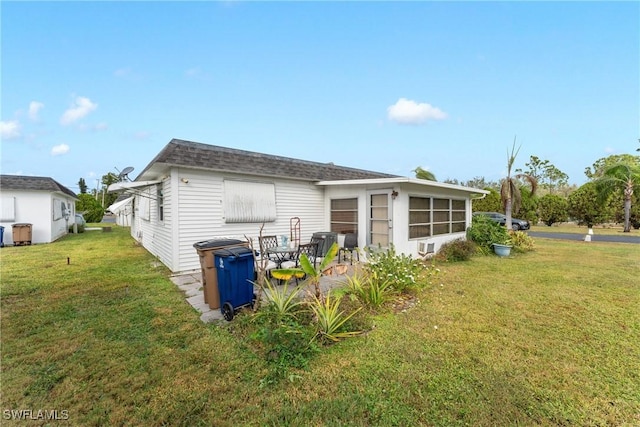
x,y
547,338
570,227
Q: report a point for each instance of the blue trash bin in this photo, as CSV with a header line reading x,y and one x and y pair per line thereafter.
x,y
235,268
1,236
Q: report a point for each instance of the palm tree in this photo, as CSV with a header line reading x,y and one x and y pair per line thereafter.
x,y
424,174
621,176
510,188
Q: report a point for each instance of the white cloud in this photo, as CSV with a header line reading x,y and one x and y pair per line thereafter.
x,y
80,108
34,109
100,127
408,112
10,129
59,149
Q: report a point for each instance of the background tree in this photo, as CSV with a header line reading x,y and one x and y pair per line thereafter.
x,y
107,199
510,190
546,174
424,174
90,208
600,165
554,178
585,207
476,182
624,177
528,205
83,186
491,203
552,209
536,167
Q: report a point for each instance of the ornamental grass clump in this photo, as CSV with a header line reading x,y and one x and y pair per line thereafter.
x,y
521,241
368,289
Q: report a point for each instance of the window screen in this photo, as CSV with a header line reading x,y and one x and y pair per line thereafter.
x,y
246,201
8,209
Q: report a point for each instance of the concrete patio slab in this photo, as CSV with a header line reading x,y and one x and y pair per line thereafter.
x,y
191,285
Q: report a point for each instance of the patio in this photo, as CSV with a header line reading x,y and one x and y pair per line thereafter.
x,y
191,284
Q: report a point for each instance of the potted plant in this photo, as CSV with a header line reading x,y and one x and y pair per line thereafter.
x,y
503,247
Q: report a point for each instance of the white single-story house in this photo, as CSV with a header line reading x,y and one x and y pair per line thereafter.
x,y
40,201
192,192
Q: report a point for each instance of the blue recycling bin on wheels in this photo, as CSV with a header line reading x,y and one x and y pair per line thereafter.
x,y
235,268
1,236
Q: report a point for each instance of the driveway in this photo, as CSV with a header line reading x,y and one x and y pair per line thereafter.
x,y
594,237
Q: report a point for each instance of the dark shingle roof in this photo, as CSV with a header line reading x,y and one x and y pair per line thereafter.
x,y
37,183
223,159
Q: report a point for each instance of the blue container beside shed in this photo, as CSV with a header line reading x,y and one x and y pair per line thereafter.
x,y
1,236
235,268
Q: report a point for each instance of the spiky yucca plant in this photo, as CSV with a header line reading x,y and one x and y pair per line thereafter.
x,y
329,320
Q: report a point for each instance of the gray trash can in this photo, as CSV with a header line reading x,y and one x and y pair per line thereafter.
x,y
206,251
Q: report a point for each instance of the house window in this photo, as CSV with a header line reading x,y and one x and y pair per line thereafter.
x,y
458,216
344,215
160,202
8,209
58,209
434,216
144,208
248,201
419,217
441,216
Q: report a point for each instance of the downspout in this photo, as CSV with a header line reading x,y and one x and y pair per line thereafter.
x,y
482,196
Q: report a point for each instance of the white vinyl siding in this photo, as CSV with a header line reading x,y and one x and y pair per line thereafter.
x,y
201,212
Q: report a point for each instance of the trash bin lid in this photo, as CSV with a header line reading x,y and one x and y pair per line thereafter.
x,y
233,252
214,243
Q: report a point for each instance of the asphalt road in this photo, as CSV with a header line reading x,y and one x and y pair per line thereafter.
x,y
594,238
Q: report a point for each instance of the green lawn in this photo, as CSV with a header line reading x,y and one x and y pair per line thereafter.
x,y
549,338
567,227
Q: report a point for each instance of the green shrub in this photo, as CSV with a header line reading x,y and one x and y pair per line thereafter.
x,y
457,250
400,271
484,232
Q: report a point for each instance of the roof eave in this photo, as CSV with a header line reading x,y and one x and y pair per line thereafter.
x,y
404,180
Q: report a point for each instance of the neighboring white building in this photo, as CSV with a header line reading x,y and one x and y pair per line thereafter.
x,y
192,192
122,208
40,201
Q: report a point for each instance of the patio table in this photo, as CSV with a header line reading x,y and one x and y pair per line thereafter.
x,y
282,253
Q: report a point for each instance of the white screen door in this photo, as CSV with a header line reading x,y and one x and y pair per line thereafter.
x,y
379,219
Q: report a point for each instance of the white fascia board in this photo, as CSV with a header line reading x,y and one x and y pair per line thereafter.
x,y
120,186
403,180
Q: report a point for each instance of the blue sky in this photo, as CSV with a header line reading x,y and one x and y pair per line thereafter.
x,y
92,87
